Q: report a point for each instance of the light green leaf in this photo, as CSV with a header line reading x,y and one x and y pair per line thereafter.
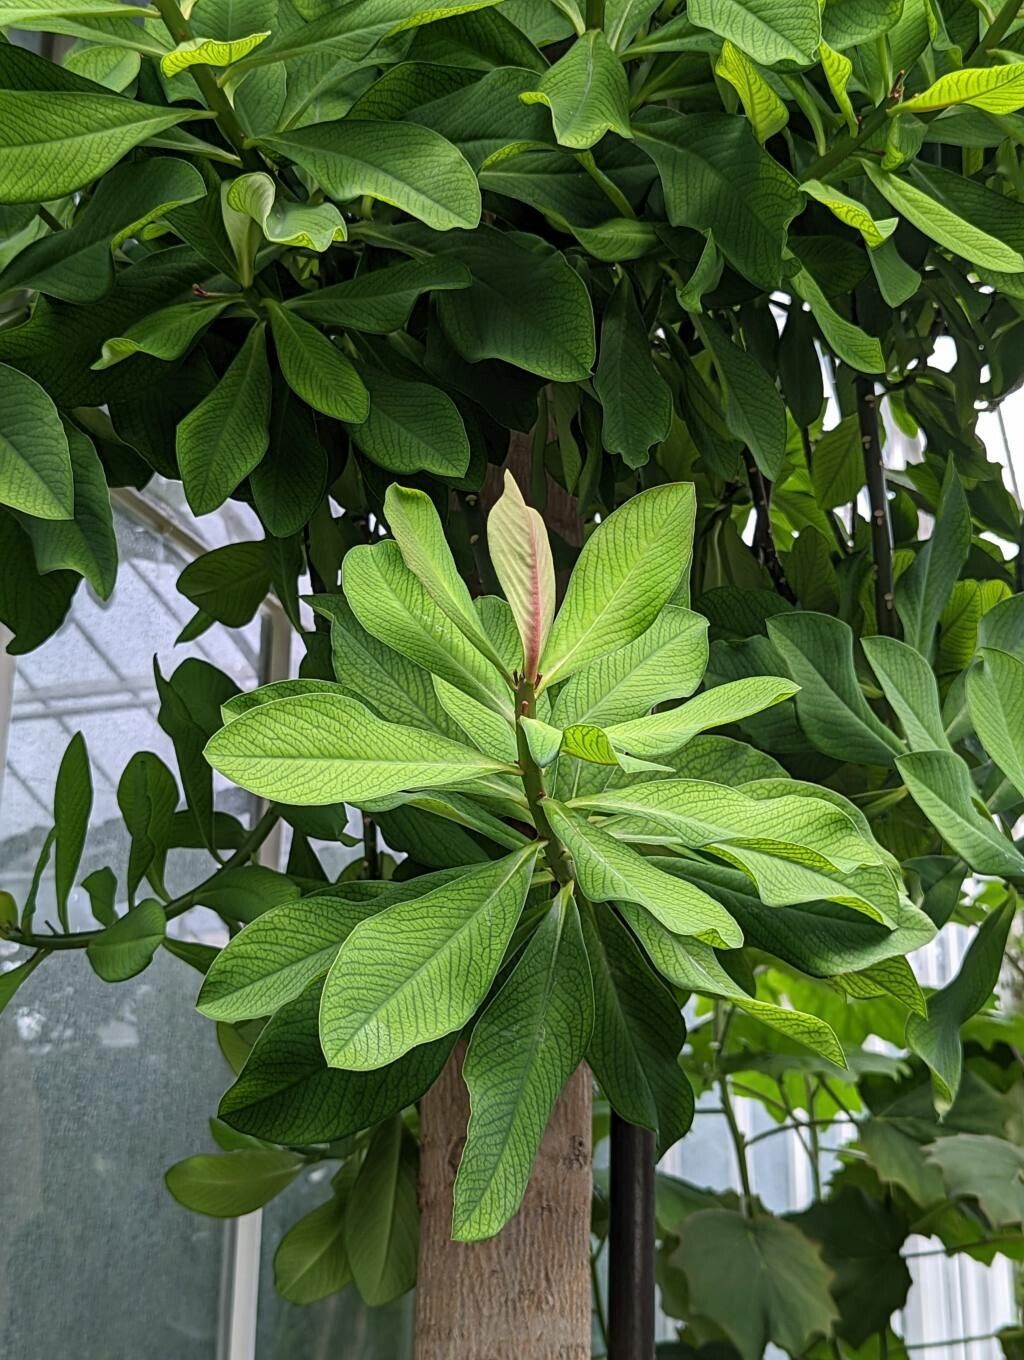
x,y
586,742
380,300
543,740
635,401
35,462
283,221
940,784
638,1033
488,731
860,350
924,588
996,89
53,142
754,409
666,662
818,652
765,111
517,540
114,67
325,748
662,733
627,572
717,178
315,369
125,948
72,803
12,978
937,1039
382,1216
786,1297
587,93
995,697
408,166
695,967
228,1184
766,30
209,52
419,969
226,435
523,1049
909,685
20,13
943,226
392,605
851,212
166,334
609,871
838,70
311,1261
85,544
412,427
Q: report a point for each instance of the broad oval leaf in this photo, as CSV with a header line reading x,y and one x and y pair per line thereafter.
x,y
35,462
587,93
767,30
315,369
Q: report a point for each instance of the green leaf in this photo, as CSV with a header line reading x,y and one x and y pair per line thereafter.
x,y
230,583
664,732
818,652
523,1049
924,588
53,142
72,803
995,697
851,212
12,978
765,29
15,15
838,69
635,401
988,1169
784,1297
392,605
526,305
411,167
380,300
996,89
638,1033
417,529
126,947
311,1261
665,662
228,1184
85,544
223,439
419,969
544,741
326,748
101,885
944,226
695,967
940,784
209,52
488,731
587,93
517,540
754,409
909,685
382,1216
717,178
847,23
837,472
937,1039
765,111
609,871
286,1093
283,221
860,350
315,369
166,334
412,427
35,463
627,572
147,796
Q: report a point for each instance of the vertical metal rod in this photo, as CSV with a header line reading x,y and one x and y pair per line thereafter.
x,y
631,1243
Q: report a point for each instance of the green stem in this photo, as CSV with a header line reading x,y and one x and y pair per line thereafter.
x,y
997,31
595,14
533,784
847,145
878,498
739,1141
177,906
217,101
607,186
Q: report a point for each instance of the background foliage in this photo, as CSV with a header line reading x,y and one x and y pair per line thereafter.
x,y
290,252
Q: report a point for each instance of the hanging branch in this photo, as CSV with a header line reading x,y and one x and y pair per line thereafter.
x,y
881,526
764,543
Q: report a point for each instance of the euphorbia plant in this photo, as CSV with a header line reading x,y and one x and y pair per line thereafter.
x,y
601,879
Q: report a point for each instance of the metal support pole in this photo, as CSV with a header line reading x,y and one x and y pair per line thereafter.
x,y
631,1243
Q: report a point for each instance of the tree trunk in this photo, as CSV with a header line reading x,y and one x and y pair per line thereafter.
x,y
526,1292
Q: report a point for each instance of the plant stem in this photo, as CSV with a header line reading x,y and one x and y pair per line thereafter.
x,y
371,848
997,31
177,906
847,145
607,186
533,784
760,494
881,526
595,14
739,1141
217,101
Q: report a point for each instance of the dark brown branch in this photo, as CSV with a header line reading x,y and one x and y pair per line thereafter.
x,y
881,525
764,543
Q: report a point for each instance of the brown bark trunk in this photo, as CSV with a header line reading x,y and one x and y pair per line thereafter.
x,y
525,1294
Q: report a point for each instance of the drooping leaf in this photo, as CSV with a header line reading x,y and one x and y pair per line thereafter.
x,y
587,93
636,403
230,583
166,334
382,1216
126,947
209,52
909,685
380,300
995,696
754,408
923,589
764,109
940,784
764,29
311,1261
412,427
229,1184
315,369
996,89
35,464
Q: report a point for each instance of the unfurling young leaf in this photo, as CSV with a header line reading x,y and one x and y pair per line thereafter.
x,y
519,548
